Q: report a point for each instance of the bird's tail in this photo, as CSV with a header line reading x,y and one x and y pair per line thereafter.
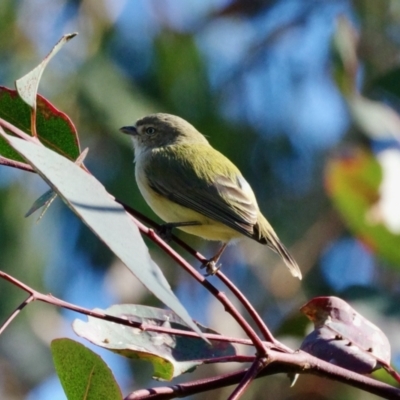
x,y
267,235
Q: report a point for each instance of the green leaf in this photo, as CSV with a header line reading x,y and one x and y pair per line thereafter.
x,y
88,199
171,355
353,181
83,374
54,128
27,86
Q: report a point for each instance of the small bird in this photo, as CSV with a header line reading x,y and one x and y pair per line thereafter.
x,y
194,187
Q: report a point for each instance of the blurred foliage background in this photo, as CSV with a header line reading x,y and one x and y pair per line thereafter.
x,y
314,130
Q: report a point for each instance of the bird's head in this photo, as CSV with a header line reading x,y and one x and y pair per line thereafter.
x,y
158,130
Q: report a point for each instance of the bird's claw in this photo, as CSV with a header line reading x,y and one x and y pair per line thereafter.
x,y
211,267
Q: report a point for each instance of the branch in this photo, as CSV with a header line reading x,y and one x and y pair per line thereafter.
x,y
50,299
278,361
250,309
15,313
299,363
248,377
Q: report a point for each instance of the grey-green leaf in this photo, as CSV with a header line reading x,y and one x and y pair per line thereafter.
x,y
27,86
171,355
88,199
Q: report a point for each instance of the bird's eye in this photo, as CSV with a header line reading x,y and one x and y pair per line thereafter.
x,y
150,130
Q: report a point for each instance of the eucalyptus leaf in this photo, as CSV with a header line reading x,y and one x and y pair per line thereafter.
x,y
88,199
171,355
27,86
83,374
54,128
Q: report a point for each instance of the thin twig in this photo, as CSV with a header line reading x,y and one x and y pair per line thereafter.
x,y
50,299
248,377
250,309
15,313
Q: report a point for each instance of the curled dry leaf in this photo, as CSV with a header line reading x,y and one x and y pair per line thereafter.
x,y
344,337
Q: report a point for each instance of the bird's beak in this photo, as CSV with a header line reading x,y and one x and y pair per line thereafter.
x,y
129,130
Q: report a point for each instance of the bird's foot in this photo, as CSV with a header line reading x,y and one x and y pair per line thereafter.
x,y
165,230
211,267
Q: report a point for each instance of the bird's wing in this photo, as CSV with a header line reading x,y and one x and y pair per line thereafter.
x,y
225,197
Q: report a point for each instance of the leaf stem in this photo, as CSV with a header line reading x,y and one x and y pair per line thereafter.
x,y
15,164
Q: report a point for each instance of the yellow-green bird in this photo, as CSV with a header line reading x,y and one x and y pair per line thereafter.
x,y
191,185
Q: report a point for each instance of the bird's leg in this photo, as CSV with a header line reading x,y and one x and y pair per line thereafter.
x,y
165,230
211,265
